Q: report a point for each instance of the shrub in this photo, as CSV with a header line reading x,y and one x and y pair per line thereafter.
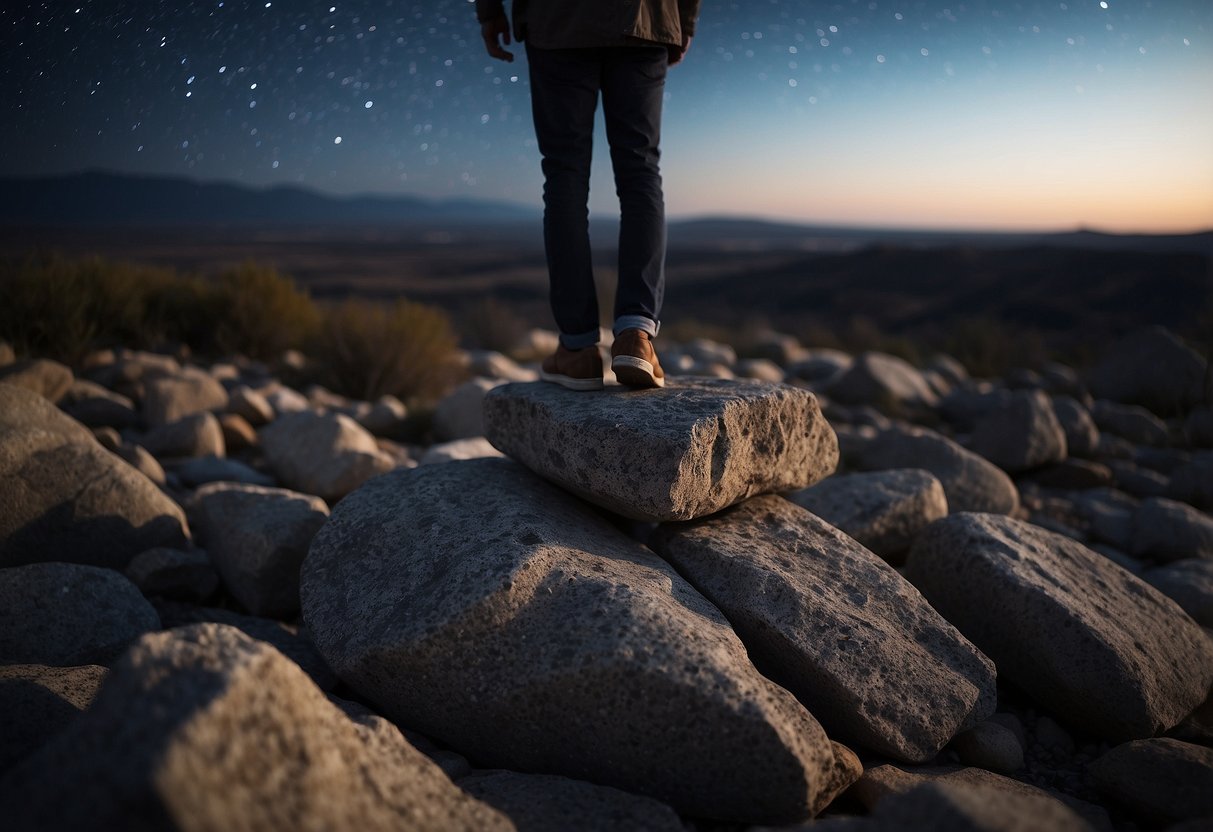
x,y
493,325
370,349
260,313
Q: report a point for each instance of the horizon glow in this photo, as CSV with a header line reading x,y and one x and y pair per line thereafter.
x,y
987,114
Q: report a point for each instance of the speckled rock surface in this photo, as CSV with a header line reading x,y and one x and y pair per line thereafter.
x,y
835,625
230,736
68,614
257,538
491,611
545,803
970,482
1159,779
883,510
1023,433
37,701
328,455
1095,645
679,453
64,497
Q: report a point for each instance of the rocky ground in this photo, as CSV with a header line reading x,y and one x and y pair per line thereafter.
x,y
801,590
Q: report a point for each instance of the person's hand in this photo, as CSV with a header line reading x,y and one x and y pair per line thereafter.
x,y
677,53
495,32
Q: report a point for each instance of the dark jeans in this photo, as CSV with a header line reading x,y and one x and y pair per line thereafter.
x,y
565,84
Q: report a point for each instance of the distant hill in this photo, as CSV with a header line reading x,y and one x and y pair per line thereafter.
x,y
99,198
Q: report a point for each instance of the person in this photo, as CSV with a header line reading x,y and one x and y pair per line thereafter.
x,y
578,50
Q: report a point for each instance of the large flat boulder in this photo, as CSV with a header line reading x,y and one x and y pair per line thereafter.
x,y
68,614
693,448
1097,646
325,454
970,482
63,497
203,728
486,608
257,537
836,625
882,510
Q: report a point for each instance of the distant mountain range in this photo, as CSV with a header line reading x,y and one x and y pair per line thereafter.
x,y
98,199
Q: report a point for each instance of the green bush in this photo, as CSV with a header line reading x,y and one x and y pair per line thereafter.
x,y
369,349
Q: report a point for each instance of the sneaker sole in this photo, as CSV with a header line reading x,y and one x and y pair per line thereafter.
x,y
635,372
579,384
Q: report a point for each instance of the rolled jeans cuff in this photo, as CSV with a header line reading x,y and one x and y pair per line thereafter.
x,y
641,322
579,342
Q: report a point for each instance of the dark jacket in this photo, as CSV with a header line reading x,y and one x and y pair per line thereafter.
x,y
572,24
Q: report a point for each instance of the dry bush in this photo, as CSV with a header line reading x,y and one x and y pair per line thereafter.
x,y
63,308
369,349
493,325
261,313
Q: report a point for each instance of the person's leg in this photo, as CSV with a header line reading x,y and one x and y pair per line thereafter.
x,y
564,96
632,90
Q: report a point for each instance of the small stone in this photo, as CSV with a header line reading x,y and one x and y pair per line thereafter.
x,y
1188,583
1137,480
238,434
168,399
1072,475
1053,737
459,450
198,472
820,366
883,510
95,406
1082,434
1167,531
970,482
108,438
1022,434
683,452
1131,422
172,573
759,369
328,455
883,381
544,803
257,538
1159,779
385,417
191,436
251,405
69,614
138,458
49,379
991,746
461,414
491,364
942,805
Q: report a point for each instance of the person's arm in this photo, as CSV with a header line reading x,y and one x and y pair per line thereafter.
x,y
688,16
494,28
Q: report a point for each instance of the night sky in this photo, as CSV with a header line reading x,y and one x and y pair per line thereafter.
x,y
986,113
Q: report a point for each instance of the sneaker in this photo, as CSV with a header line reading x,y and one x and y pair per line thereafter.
x,y
635,361
574,369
